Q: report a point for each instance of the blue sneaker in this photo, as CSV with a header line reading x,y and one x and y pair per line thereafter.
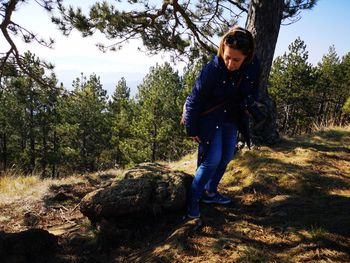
x,y
216,199
193,210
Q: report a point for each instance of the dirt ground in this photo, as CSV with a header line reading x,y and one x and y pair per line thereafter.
x,y
300,214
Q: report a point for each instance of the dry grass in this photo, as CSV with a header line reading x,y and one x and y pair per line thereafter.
x,y
18,187
15,186
21,194
320,160
187,164
291,204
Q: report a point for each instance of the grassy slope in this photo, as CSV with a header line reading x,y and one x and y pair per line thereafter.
x,y
291,204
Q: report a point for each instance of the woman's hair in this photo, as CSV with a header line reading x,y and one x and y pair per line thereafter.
x,y
240,39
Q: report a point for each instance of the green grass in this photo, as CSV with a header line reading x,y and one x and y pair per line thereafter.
x,y
317,233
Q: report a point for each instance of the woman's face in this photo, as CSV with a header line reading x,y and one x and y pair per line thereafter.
x,y
233,58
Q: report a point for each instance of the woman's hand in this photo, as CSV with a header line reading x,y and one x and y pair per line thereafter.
x,y
196,138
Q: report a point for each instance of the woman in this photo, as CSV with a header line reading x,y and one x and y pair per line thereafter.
x,y
216,109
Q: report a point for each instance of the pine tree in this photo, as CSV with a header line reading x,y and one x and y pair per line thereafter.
x,y
122,115
291,85
157,123
10,116
28,118
328,87
344,90
85,123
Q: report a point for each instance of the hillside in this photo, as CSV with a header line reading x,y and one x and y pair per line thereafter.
x,y
291,204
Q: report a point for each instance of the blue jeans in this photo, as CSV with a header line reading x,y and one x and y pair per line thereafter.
x,y
217,155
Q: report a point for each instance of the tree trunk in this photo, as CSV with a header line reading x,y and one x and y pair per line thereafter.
x,y
32,156
44,151
286,118
4,151
55,149
154,142
84,163
320,112
264,20
338,110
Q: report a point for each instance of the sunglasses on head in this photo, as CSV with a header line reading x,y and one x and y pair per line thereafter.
x,y
239,40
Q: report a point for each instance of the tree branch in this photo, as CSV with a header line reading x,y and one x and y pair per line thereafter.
x,y
238,5
193,28
13,48
3,26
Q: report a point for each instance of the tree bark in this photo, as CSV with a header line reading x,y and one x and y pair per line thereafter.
x,y
32,156
44,150
154,142
55,150
263,21
4,151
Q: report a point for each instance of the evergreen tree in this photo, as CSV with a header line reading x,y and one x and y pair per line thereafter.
x,y
120,97
10,117
157,123
28,126
86,122
122,115
291,85
344,94
346,112
327,85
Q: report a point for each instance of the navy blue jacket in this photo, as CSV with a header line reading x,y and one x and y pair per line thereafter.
x,y
217,85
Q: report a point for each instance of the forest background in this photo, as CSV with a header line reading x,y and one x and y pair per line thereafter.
x,y
55,130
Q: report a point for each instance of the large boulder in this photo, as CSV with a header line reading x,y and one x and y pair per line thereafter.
x,y
147,189
33,245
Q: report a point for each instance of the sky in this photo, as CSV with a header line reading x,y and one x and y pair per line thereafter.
x,y
326,24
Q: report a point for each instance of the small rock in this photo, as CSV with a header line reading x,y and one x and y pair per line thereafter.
x,y
31,219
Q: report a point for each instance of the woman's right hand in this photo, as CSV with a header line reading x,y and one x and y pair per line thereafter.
x,y
196,138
